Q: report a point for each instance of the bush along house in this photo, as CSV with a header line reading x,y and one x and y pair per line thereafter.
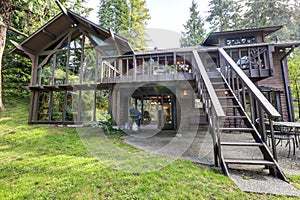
x,y
230,83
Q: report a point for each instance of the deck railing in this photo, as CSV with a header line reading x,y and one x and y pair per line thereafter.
x,y
162,67
255,60
253,102
212,105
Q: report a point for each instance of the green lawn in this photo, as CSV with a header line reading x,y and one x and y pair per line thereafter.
x,y
38,162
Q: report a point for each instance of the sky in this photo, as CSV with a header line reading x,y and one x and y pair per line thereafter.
x,y
168,15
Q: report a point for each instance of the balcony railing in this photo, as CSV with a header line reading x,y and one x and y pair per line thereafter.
x,y
255,60
160,67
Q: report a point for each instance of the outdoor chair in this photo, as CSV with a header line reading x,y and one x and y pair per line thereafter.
x,y
281,133
297,136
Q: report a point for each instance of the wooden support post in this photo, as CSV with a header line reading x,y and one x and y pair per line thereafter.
x,y
51,106
134,67
143,66
115,69
53,70
270,58
259,61
79,109
265,59
95,106
82,59
273,139
252,106
65,106
68,60
244,97
127,67
238,88
120,67
101,71
96,67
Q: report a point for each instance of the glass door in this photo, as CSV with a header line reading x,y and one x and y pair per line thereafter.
x,y
158,111
167,114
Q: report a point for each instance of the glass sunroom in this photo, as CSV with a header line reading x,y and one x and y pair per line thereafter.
x,y
67,65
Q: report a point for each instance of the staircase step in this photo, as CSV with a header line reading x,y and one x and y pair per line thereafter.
x,y
230,106
248,161
218,83
253,144
236,117
225,97
221,89
237,129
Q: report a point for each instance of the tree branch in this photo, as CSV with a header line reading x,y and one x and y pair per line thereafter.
x,y
13,29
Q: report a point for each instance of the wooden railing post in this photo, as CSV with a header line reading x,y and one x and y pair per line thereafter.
x,y
273,139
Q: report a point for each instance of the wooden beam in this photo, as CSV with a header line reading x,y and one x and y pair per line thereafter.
x,y
115,42
54,50
27,51
61,7
51,35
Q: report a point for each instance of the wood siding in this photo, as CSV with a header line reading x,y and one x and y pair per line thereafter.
x,y
277,81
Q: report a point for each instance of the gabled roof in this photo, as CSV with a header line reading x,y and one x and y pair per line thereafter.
x,y
60,25
213,38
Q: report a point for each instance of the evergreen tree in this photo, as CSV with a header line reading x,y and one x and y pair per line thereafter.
x,y
127,18
293,27
194,31
274,12
224,15
262,13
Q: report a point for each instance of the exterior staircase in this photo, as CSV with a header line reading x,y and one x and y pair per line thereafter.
x,y
238,122
232,127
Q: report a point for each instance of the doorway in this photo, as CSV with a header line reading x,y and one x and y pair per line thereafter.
x,y
158,110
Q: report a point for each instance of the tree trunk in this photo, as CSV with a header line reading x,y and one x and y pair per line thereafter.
x,y
3,30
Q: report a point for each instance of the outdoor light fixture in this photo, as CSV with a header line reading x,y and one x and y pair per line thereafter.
x,y
184,92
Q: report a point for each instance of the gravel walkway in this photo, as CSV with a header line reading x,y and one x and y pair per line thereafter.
x,y
197,148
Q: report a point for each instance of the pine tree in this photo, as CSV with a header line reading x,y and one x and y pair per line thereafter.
x,y
194,31
294,24
272,12
224,14
266,13
127,18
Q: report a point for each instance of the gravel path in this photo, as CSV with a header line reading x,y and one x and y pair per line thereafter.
x,y
197,147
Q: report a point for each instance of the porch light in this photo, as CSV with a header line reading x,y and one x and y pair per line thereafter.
x,y
184,92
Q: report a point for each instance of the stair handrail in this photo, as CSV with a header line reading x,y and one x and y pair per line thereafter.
x,y
210,89
214,109
263,102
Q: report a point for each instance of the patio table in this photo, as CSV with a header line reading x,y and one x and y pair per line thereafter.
x,y
287,131
292,128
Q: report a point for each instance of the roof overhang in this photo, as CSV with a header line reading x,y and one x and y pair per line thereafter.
x,y
213,38
60,25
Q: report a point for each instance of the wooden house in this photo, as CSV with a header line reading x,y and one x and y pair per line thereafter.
x,y
223,85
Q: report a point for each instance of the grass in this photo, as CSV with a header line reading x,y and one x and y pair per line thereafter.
x,y
39,162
